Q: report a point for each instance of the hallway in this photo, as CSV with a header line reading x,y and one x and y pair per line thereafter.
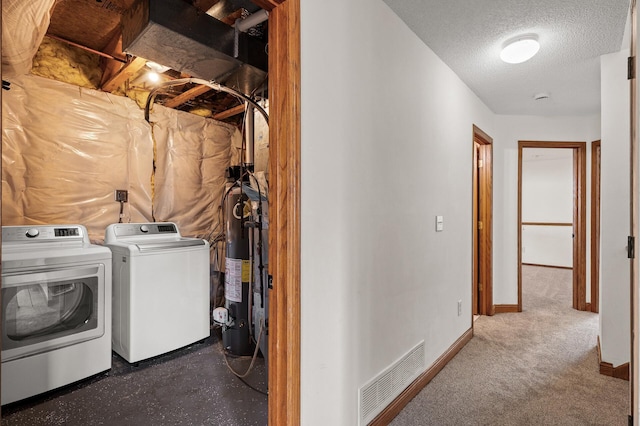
x,y
538,367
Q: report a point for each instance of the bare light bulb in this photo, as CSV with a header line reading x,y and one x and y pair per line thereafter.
x,y
153,76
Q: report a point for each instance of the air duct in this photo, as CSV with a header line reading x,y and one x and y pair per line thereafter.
x,y
178,35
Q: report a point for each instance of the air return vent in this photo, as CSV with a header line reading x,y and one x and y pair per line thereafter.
x,y
386,386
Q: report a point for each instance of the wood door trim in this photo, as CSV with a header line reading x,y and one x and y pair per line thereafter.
x,y
485,215
547,266
506,309
595,226
475,310
284,231
546,224
580,211
633,223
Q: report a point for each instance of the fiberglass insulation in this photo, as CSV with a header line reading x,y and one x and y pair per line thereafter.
x,y
24,24
66,149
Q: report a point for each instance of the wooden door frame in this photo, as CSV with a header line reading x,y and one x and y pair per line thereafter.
x,y
594,305
579,217
634,187
483,214
284,214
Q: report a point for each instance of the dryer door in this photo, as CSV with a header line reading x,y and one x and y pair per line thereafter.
x,y
49,309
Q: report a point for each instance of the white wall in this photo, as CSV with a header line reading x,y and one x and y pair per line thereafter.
x,y
614,224
511,129
386,146
547,197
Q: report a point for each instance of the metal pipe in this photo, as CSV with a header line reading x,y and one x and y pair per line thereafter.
x,y
213,85
249,137
252,20
88,49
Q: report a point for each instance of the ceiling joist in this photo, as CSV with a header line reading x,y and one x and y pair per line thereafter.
x,y
230,112
187,96
126,73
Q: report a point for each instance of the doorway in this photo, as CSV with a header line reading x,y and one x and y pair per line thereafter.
x,y
482,223
577,226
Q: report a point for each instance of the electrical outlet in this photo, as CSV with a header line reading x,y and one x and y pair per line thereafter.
x,y
459,307
122,195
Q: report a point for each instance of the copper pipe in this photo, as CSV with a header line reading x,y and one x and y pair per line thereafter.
x,y
88,49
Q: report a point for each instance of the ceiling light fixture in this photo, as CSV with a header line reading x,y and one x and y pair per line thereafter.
x,y
520,49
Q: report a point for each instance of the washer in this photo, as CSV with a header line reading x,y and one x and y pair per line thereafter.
x,y
160,289
56,310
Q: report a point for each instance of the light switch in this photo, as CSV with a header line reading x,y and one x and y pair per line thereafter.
x,y
439,223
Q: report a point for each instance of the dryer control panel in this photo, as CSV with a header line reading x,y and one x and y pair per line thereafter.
x,y
42,233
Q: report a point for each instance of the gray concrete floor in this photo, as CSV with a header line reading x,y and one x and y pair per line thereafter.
x,y
190,386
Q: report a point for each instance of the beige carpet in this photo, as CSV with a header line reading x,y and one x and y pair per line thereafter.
x,y
538,367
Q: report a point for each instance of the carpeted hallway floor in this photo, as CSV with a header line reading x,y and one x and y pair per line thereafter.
x,y
538,367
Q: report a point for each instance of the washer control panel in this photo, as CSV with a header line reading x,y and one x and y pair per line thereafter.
x,y
132,229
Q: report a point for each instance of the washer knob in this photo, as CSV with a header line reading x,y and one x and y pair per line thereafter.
x,y
144,228
32,233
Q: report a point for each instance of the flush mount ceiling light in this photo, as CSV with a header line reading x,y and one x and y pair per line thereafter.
x,y
520,49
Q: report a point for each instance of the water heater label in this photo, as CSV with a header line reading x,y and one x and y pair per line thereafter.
x,y
246,271
233,279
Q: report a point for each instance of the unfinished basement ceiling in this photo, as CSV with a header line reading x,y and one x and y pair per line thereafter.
x,y
573,34
96,26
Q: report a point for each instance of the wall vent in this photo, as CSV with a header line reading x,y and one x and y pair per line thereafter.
x,y
380,391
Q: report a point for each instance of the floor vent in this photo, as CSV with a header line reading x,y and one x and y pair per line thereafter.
x,y
386,386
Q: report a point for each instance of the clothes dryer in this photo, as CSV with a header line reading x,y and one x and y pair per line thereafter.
x,y
56,308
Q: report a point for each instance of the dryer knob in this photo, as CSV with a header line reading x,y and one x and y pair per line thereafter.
x,y
32,233
144,228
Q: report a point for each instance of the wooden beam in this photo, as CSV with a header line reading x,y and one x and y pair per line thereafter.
x,y
230,112
187,96
128,71
111,67
284,213
268,5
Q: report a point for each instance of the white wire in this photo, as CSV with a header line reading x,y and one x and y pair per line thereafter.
x,y
253,359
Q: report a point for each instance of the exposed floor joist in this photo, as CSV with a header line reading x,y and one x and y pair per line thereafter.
x,y
126,73
230,112
187,96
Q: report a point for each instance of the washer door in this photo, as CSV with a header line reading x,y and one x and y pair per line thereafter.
x,y
50,309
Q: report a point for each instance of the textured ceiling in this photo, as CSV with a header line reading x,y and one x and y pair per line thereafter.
x,y
573,34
